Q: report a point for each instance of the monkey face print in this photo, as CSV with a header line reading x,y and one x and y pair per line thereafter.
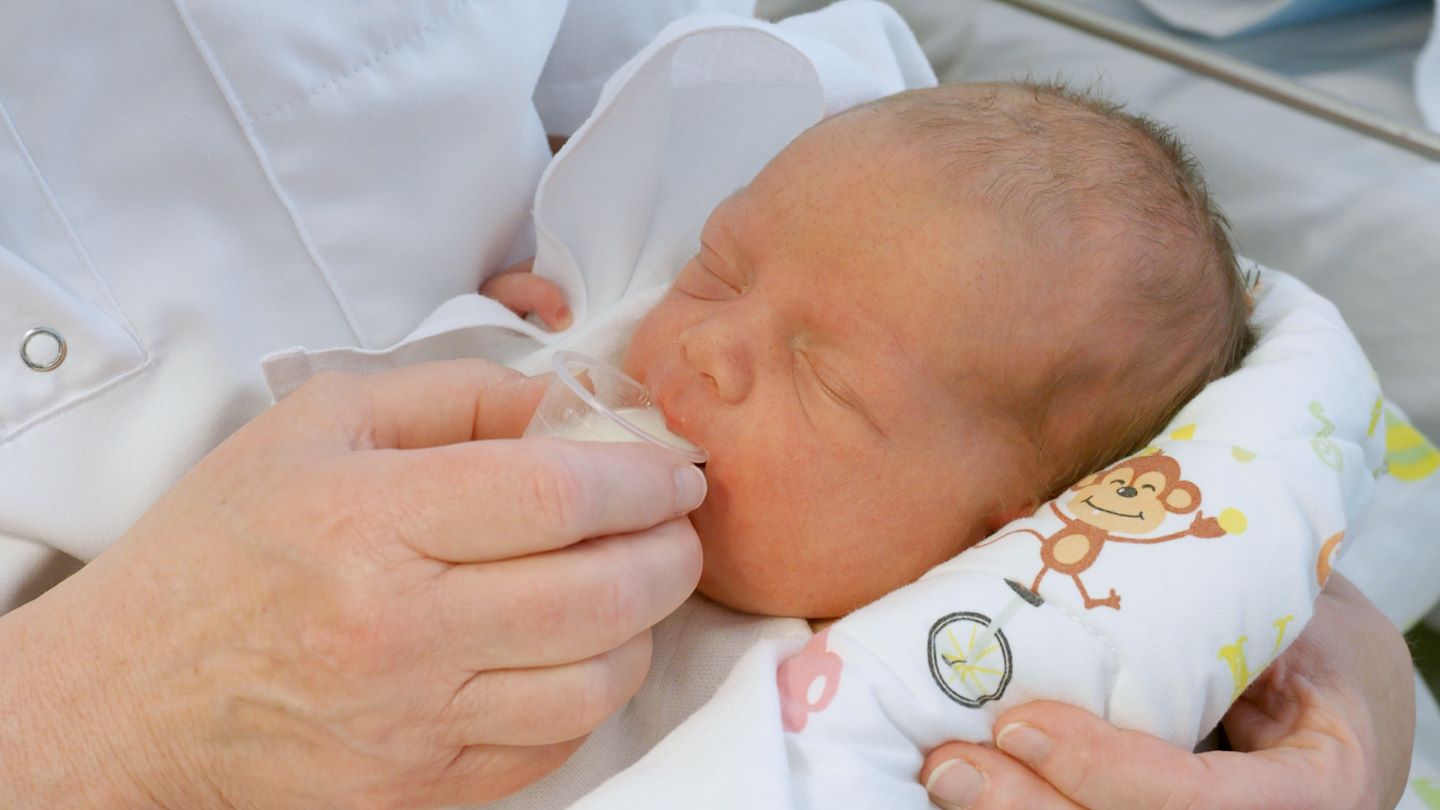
x,y
1134,497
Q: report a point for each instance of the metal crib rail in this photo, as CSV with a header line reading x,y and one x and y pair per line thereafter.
x,y
1238,74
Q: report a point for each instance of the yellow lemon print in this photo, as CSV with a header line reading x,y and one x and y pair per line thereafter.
x,y
1233,521
1375,416
1184,433
1242,455
1409,454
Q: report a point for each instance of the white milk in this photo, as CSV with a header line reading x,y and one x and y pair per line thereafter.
x,y
597,428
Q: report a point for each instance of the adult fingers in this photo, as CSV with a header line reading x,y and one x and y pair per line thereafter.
x,y
421,405
484,773
523,293
566,605
1097,765
961,776
549,704
482,501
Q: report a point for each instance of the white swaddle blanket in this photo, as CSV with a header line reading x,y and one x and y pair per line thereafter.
x,y
1255,482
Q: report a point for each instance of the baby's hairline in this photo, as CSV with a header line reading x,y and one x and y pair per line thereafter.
x,y
1178,241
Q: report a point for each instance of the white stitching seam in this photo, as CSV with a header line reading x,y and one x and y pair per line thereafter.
x,y
114,312
233,102
367,65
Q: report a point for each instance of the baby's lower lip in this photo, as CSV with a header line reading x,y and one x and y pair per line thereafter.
x,y
664,393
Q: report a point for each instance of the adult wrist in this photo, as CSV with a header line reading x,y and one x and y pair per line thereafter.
x,y
70,735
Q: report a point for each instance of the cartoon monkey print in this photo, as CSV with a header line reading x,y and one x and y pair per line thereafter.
x,y
1133,497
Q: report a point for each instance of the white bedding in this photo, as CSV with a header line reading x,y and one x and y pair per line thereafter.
x,y
1366,58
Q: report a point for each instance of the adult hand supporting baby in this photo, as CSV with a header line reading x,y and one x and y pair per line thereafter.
x,y
1329,724
352,603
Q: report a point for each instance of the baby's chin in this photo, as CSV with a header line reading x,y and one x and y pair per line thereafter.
x,y
766,599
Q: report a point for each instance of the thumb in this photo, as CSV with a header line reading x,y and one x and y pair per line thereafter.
x,y
1096,765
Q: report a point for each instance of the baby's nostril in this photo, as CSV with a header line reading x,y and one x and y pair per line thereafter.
x,y
1127,492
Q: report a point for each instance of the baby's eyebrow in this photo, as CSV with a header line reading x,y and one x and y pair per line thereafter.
x,y
727,232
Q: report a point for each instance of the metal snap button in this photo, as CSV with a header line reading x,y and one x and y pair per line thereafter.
x,y
29,345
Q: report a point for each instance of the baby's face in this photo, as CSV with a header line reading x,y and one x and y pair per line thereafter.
x,y
849,350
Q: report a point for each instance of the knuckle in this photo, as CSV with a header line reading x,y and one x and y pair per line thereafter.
x,y
559,494
360,636
334,402
616,606
598,698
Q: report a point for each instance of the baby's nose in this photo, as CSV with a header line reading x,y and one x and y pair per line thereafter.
x,y
719,354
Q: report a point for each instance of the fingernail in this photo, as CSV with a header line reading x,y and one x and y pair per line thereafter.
x,y
1024,742
690,487
955,784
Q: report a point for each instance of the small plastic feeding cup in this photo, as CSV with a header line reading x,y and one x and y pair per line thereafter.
x,y
591,402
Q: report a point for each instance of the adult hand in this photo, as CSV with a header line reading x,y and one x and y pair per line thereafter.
x,y
1329,724
352,603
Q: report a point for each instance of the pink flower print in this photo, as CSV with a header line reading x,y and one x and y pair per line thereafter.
x,y
808,681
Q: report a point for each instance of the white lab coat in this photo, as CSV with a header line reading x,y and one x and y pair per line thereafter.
x,y
188,185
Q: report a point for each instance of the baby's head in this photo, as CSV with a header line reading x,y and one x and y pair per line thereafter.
x,y
924,318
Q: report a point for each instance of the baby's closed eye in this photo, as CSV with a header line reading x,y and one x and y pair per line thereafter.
x,y
698,281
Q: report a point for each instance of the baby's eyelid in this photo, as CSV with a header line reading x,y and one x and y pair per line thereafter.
x,y
841,394
737,289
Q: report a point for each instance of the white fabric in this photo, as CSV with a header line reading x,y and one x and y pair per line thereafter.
x,y
689,120
1223,18
1427,77
1398,546
1367,58
186,186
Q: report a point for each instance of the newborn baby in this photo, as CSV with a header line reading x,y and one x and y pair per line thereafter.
x,y
922,319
